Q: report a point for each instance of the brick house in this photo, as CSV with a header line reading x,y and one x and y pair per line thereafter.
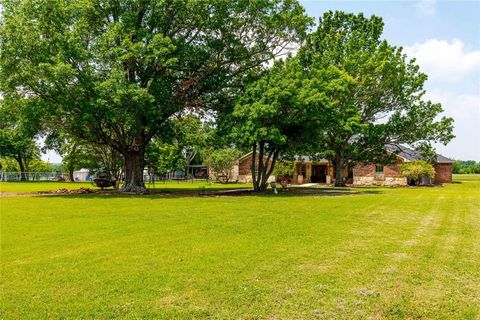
x,y
244,169
322,171
307,170
390,174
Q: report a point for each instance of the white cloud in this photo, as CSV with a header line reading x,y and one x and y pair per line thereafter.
x,y
457,105
426,7
444,61
465,110
454,81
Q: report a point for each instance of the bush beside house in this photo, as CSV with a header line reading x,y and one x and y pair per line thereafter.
x,y
222,162
417,171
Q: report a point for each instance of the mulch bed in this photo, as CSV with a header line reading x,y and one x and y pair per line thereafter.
x,y
74,191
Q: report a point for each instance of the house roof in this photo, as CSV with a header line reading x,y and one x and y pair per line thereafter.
x,y
244,156
308,159
297,158
412,155
401,151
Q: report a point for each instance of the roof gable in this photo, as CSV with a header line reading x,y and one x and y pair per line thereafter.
x,y
412,155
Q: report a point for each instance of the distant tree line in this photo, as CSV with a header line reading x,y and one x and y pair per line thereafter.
x,y
466,166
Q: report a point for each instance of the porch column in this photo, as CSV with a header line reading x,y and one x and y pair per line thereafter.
x,y
308,173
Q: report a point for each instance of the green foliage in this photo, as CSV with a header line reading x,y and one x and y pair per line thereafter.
x,y
77,154
17,135
34,165
277,115
191,136
9,165
38,165
187,139
373,95
284,168
114,73
416,170
269,110
221,162
466,167
165,157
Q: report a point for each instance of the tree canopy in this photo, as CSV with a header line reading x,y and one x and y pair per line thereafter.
x,y
119,75
276,118
114,72
466,166
18,131
375,95
187,138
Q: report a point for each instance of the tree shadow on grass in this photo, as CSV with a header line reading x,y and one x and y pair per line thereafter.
x,y
182,193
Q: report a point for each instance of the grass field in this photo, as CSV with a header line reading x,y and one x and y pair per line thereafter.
x,y
392,253
29,187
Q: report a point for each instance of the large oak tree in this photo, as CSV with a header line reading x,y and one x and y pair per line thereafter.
x,y
375,94
277,117
112,72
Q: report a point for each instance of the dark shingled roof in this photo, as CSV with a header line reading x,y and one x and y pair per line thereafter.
x,y
401,151
412,155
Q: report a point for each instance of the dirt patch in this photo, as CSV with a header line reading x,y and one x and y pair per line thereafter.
x,y
70,191
9,194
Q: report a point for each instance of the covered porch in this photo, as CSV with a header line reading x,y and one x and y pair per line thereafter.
x,y
313,172
321,172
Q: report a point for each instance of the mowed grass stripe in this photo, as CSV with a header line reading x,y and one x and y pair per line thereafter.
x,y
392,253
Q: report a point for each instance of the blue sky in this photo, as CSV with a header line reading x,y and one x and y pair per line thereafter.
x,y
444,36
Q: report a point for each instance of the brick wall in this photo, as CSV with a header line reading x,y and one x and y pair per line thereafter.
x,y
443,172
245,166
367,170
365,174
393,170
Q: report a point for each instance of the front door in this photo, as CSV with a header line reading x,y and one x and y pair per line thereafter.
x,y
319,174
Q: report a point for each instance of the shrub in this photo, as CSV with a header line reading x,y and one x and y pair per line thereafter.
x,y
38,165
416,170
221,163
284,169
9,165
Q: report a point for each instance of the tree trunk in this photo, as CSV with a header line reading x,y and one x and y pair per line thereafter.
x,y
134,165
262,168
268,167
70,175
253,167
339,177
21,165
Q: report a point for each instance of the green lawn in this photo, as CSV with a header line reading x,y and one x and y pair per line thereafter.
x,y
29,187
395,253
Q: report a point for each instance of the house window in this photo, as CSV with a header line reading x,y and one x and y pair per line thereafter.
x,y
379,173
